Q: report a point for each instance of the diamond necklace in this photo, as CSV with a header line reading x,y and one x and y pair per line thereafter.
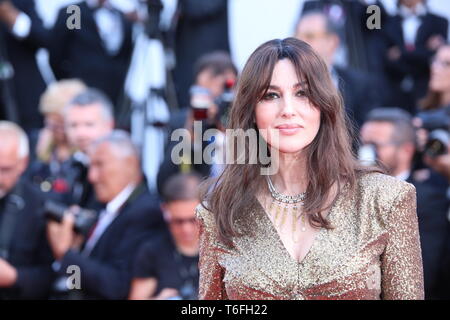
x,y
299,198
282,203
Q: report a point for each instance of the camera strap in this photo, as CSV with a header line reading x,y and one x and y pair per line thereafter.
x,y
14,203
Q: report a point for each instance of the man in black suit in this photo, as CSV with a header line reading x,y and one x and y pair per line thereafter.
x,y
98,53
391,132
202,27
21,34
25,257
168,269
352,19
358,90
131,216
409,40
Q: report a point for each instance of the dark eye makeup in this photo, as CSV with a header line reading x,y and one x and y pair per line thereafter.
x,y
274,95
270,96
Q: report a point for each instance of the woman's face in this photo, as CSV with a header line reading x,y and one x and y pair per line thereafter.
x,y
440,71
286,112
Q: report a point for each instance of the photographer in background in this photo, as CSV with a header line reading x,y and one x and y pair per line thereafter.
x,y
52,167
435,112
25,257
214,74
130,217
168,269
88,117
389,133
433,124
211,98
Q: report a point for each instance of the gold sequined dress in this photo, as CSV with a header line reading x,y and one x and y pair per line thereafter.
x,y
373,252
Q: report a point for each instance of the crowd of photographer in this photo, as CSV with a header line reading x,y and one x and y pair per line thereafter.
x,y
78,219
100,218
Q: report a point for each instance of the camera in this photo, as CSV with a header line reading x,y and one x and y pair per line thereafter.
x,y
200,102
437,123
367,154
84,218
224,101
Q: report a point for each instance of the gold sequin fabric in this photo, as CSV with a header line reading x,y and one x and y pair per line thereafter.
x,y
373,252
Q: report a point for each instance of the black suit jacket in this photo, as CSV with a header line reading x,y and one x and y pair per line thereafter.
x,y
202,27
106,272
167,167
27,84
359,93
81,54
414,63
432,208
352,28
29,251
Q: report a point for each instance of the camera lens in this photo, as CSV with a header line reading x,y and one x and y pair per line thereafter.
x,y
438,141
367,154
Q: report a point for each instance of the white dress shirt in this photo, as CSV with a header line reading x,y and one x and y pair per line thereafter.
x,y
411,22
109,24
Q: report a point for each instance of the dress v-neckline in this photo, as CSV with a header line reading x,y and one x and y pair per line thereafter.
x,y
277,237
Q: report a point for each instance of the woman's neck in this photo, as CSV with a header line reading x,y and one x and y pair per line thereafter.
x,y
291,178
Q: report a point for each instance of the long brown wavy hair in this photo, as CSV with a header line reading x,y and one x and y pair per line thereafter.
x,y
329,157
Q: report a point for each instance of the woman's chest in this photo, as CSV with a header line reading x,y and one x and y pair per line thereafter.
x,y
341,260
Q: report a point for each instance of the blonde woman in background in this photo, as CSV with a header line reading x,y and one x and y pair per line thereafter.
x,y
53,149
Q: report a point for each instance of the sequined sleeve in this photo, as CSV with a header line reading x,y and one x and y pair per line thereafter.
x,y
402,270
211,286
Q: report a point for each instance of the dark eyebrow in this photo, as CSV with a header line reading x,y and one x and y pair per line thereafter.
x,y
297,85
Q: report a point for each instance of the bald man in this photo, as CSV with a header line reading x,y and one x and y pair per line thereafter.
x,y
131,216
25,257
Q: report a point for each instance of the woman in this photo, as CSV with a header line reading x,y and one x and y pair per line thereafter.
x,y
436,106
439,87
51,167
438,97
321,227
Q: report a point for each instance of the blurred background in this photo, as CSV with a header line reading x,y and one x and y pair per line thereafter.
x,y
92,90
